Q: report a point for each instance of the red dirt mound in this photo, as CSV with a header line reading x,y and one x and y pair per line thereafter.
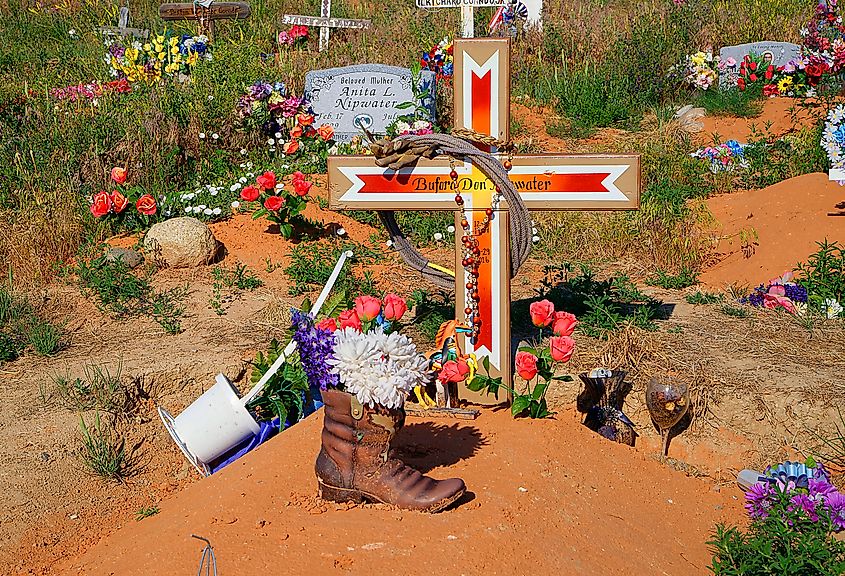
x,y
788,218
546,496
778,117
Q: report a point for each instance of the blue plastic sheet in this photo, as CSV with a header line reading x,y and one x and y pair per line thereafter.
x,y
268,430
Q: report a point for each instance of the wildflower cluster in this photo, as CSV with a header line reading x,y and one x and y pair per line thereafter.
x,y
814,500
699,70
285,119
781,292
439,59
91,90
297,35
277,204
724,157
165,55
114,204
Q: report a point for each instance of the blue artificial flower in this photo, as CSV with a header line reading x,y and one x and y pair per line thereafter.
x,y
447,69
735,147
795,292
316,346
839,134
280,88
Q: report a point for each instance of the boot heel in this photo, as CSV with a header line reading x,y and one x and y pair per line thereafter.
x,y
333,494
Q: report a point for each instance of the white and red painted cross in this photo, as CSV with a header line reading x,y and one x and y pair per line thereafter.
x,y
544,182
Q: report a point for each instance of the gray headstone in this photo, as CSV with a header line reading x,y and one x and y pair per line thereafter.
x,y
779,53
362,95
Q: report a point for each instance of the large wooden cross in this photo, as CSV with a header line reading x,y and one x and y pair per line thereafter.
x,y
205,13
325,22
545,182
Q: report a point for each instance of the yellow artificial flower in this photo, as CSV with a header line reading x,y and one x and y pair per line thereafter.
x,y
131,54
698,58
160,39
147,47
161,55
785,84
192,58
174,50
174,41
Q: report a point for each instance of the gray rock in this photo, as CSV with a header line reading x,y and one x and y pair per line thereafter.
x,y
683,110
130,257
181,243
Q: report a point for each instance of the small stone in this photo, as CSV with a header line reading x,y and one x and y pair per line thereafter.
x,y
523,489
683,110
45,456
181,243
451,537
130,257
73,516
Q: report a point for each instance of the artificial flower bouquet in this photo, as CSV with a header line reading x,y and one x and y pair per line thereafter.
x,y
833,138
439,59
699,70
286,120
165,55
724,157
131,206
536,363
824,39
90,91
781,292
361,352
294,37
277,204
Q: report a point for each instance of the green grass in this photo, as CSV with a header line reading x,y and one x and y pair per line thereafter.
x,y
733,102
146,512
97,388
22,326
736,311
45,338
419,226
683,279
103,450
125,294
702,298
311,265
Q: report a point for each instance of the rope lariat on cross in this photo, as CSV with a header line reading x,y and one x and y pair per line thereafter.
x,y
405,151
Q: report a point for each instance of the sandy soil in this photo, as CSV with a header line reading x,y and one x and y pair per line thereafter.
x,y
788,220
564,502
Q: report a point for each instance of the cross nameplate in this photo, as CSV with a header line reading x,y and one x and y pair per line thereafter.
x,y
325,22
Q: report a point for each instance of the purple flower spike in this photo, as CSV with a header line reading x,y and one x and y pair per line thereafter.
x,y
315,347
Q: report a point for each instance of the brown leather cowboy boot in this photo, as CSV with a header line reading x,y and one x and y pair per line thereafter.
x,y
355,461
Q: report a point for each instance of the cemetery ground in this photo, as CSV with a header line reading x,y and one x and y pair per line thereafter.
x,y
755,399
547,495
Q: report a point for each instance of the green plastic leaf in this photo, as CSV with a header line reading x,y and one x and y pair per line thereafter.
x,y
404,105
520,404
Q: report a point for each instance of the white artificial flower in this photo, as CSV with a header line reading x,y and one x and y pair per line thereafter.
x,y
450,229
202,135
216,211
278,135
341,231
831,308
136,45
279,186
250,175
208,211
270,142
242,165
197,209
249,164
535,239
210,97
215,136
243,153
242,180
214,192
389,243
236,204
202,206
188,209
377,368
271,149
234,187
438,236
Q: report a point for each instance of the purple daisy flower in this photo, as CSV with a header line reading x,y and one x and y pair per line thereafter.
x,y
805,504
759,500
820,488
835,504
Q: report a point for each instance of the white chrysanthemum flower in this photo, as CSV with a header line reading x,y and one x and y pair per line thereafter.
x,y
378,368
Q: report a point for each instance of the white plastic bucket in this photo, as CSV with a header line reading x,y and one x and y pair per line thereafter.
x,y
215,422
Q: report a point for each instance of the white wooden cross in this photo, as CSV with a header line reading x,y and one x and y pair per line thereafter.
x,y
325,22
123,28
545,182
467,10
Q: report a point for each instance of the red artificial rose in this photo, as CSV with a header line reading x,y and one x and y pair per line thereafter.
x,y
267,181
367,307
526,365
296,132
542,313
770,90
146,205
119,202
291,147
561,348
101,205
118,174
305,119
394,307
564,324
769,73
250,193
752,65
349,319
740,83
329,324
454,371
753,77
300,185
274,203
326,132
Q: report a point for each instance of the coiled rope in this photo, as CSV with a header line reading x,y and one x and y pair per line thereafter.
x,y
407,150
